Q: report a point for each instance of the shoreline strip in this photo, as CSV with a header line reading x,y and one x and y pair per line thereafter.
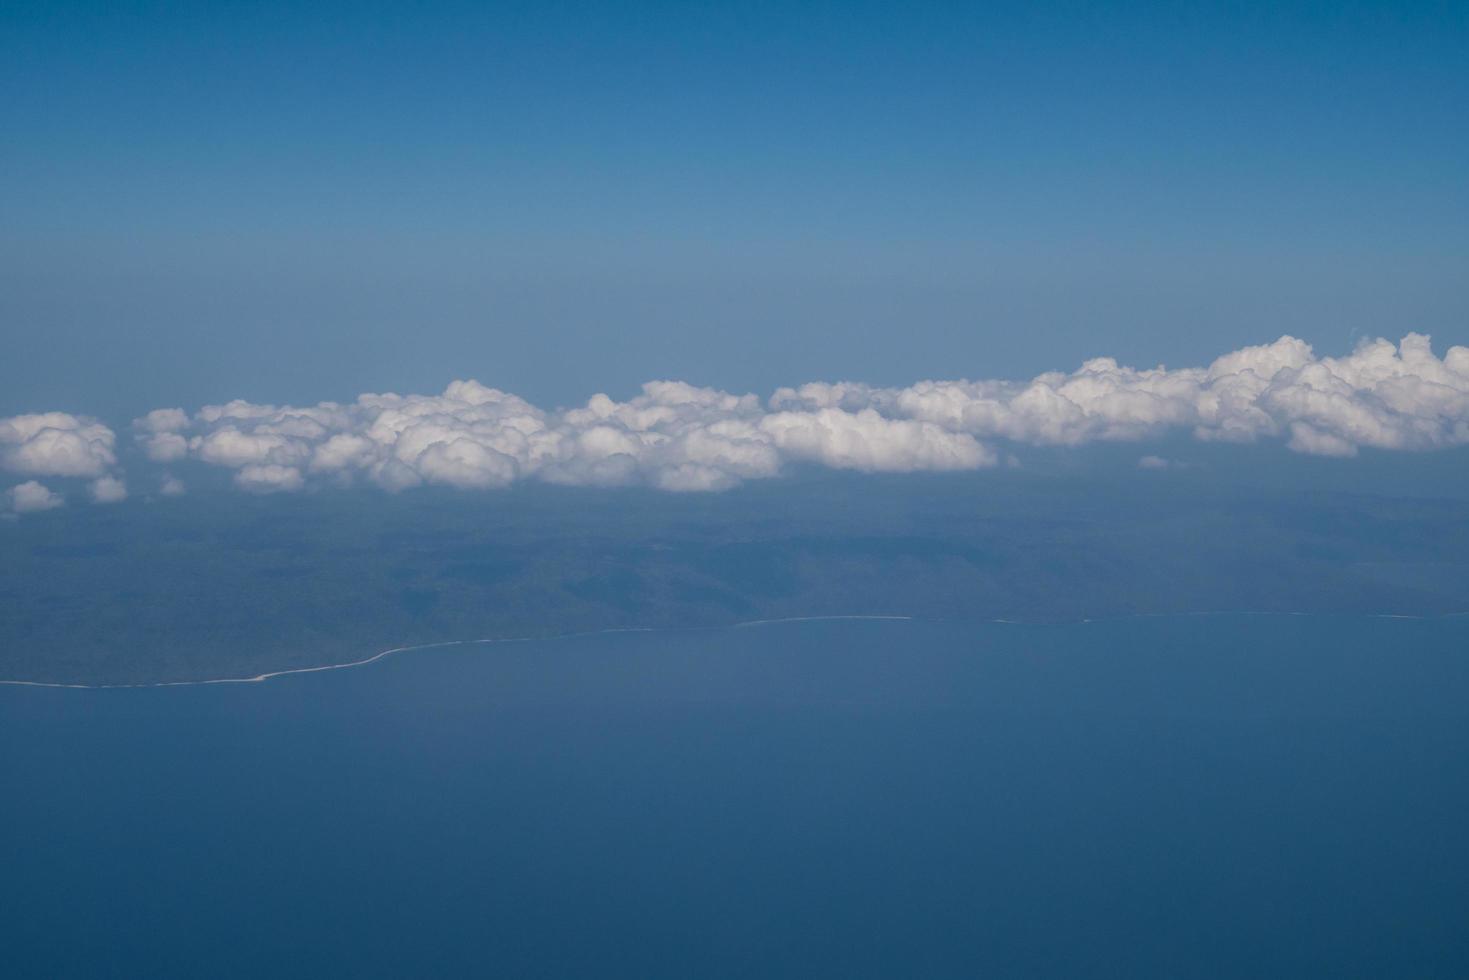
x,y
268,675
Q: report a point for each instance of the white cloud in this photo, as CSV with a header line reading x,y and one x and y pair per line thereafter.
x,y
158,434
680,437
1381,396
170,486
56,444
268,478
673,436
1153,463
108,490
865,440
31,496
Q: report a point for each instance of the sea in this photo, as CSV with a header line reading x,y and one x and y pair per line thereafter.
x,y
1190,796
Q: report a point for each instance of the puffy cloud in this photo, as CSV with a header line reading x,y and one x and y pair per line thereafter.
x,y
673,435
1153,463
108,490
158,434
677,436
32,496
56,444
1382,396
865,440
62,445
171,486
268,478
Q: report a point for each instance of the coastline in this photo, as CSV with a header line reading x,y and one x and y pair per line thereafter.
x,y
383,654
392,651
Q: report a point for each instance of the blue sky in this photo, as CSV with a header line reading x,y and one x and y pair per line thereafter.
x,y
285,204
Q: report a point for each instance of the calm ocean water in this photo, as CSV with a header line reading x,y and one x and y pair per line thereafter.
x,y
1204,796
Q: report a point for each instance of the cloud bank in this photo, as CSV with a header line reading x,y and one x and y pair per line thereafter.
x,y
56,444
675,436
1382,396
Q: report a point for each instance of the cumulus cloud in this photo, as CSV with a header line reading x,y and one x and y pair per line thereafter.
x,y
171,486
56,444
32,496
672,435
1153,463
158,433
865,440
268,478
107,490
1383,396
677,436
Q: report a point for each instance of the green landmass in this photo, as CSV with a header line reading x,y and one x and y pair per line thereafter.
x,y
222,584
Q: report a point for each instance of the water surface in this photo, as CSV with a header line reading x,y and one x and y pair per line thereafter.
x,y
1199,796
